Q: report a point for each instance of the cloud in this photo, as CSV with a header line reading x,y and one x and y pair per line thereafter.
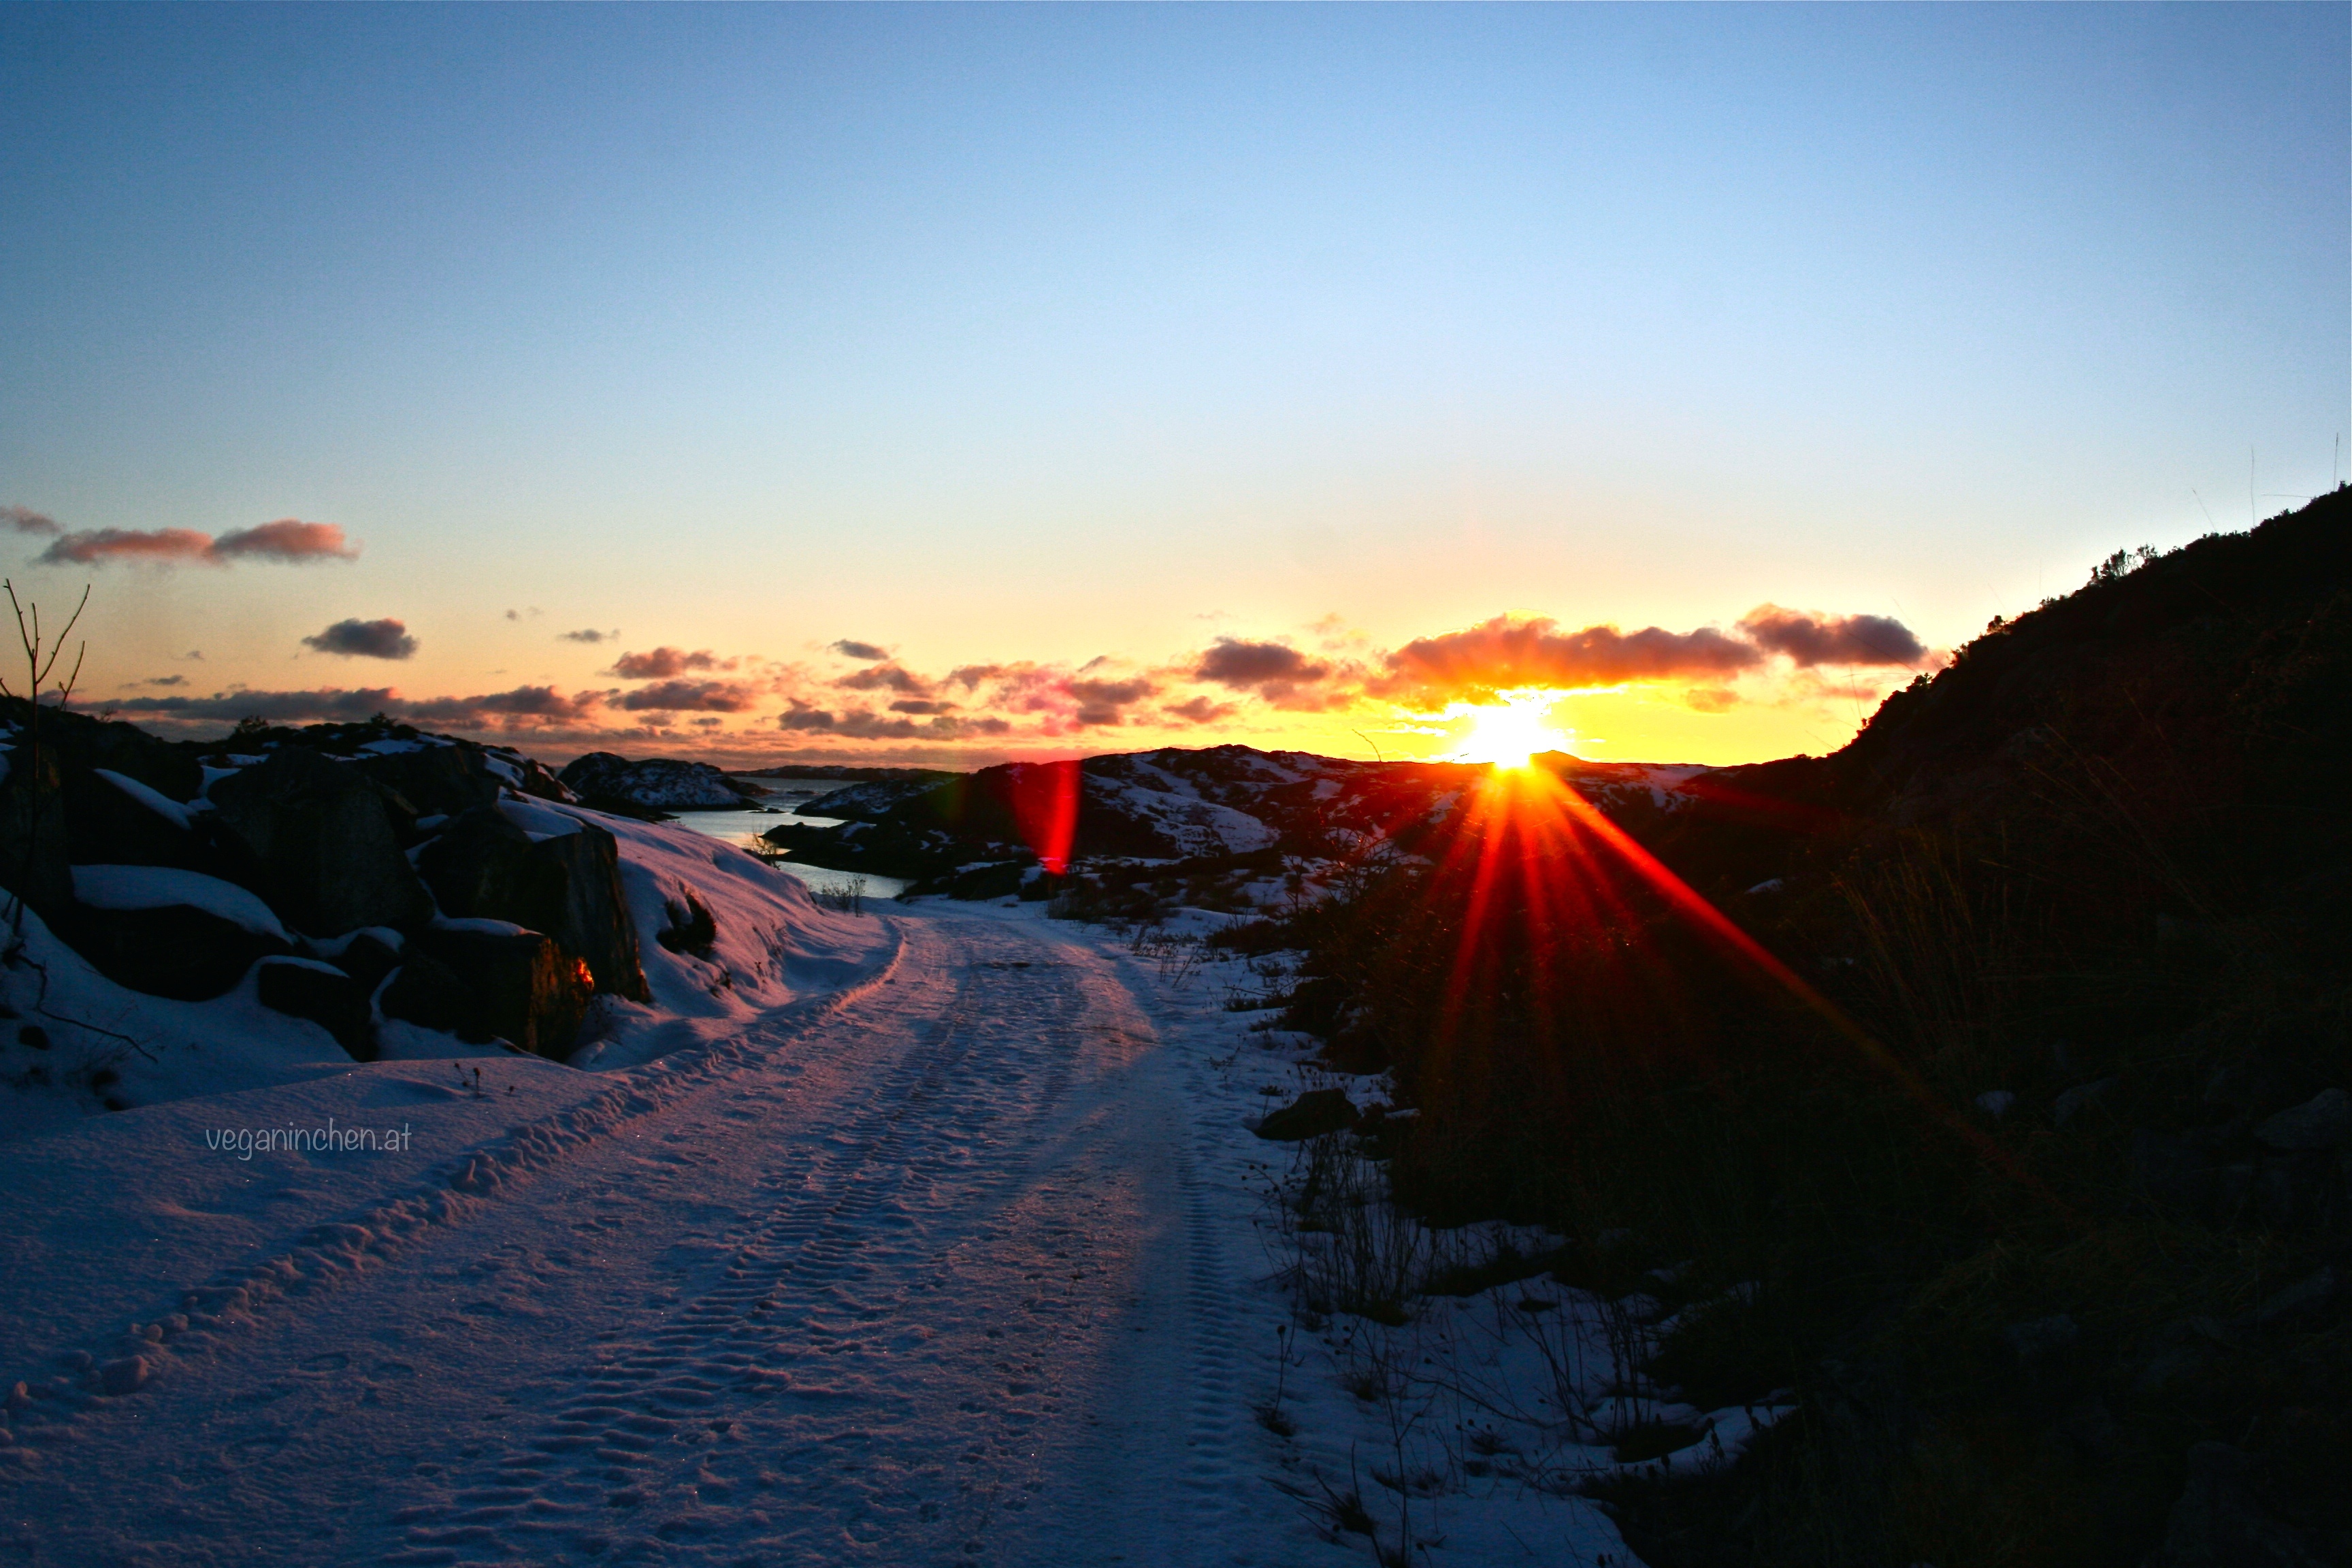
x,y
25,519
853,649
285,540
364,639
884,677
282,706
662,663
860,724
590,634
522,702
1506,653
95,546
1710,698
164,680
1256,665
697,696
1102,701
1277,673
799,715
337,704
1201,710
1810,638
921,705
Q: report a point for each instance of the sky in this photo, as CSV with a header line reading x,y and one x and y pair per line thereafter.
x,y
946,384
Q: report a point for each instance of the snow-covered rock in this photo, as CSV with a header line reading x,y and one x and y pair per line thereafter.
x,y
660,784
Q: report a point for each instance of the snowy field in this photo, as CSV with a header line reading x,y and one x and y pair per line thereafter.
x,y
967,1259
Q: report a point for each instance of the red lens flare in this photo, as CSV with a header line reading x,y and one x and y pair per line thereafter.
x,y
1044,800
1524,834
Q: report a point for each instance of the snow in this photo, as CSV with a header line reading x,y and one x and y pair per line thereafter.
x,y
538,821
935,1235
162,806
159,887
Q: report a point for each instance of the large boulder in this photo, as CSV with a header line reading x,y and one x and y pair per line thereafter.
x,y
305,989
436,781
476,864
518,985
33,862
429,993
570,889
167,931
175,951
112,818
171,771
321,842
568,886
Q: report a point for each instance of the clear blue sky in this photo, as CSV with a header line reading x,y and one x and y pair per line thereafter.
x,y
1040,333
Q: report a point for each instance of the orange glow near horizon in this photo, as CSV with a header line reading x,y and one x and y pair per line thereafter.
x,y
1507,735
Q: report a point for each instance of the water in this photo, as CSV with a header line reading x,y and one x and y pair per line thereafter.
x,y
743,828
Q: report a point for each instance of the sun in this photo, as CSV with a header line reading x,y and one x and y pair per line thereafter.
x,y
1507,735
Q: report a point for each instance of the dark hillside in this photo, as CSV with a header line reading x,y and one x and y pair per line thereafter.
x,y
2021,1146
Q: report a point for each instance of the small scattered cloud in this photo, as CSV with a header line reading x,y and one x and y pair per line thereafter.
x,y
386,638
286,540
850,648
1104,702
164,680
884,677
1249,666
519,704
589,635
1274,671
679,696
663,663
1811,637
25,519
1201,710
1710,698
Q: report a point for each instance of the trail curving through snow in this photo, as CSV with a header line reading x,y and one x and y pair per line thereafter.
x,y
945,1273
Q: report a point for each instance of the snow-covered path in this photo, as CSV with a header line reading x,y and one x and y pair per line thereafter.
x,y
931,1276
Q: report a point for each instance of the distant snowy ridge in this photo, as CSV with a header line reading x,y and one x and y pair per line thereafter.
x,y
1176,805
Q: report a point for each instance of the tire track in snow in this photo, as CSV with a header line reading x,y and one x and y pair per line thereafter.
x,y
456,1190
626,1435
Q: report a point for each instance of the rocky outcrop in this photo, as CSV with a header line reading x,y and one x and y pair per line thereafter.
x,y
568,886
520,987
1311,1115
323,994
176,950
657,784
314,862
321,841
33,862
435,781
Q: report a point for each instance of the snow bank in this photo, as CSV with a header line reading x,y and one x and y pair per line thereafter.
x,y
95,1046
772,944
161,886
